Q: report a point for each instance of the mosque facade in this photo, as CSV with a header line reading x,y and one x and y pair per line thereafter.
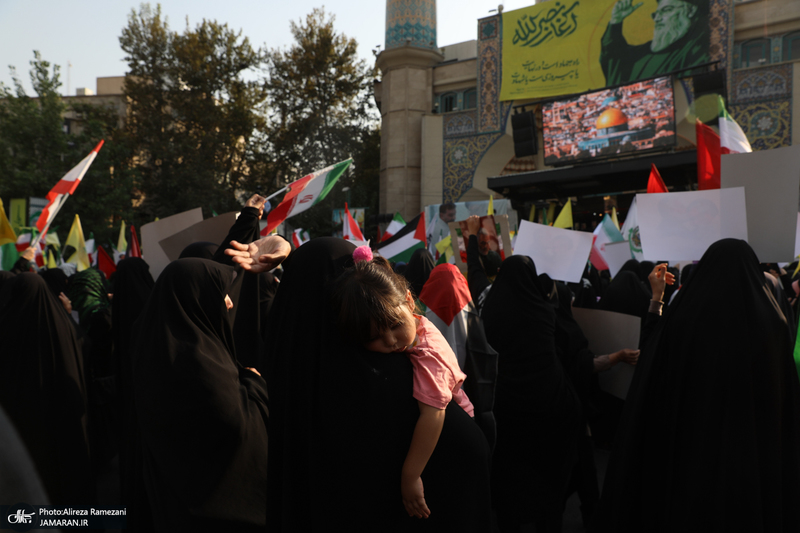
x,y
446,135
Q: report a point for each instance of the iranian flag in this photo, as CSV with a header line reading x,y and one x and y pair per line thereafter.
x,y
710,147
630,232
58,195
732,138
305,193
350,229
605,232
299,237
394,226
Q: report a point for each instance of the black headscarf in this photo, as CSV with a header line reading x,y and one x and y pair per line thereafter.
x,y
572,346
132,286
419,270
710,436
342,420
201,250
245,292
56,280
537,410
202,417
42,387
626,294
5,275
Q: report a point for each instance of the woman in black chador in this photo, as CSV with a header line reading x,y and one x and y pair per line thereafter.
x,y
342,419
202,416
42,387
538,413
710,436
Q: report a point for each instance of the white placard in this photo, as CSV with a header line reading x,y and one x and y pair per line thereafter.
x,y
771,179
682,225
616,255
560,253
155,232
609,332
213,229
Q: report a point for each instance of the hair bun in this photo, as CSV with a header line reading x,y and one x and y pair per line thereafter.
x,y
362,253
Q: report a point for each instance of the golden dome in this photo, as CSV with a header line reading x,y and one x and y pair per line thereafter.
x,y
611,117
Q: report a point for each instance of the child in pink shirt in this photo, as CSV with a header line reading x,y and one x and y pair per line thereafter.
x,y
375,309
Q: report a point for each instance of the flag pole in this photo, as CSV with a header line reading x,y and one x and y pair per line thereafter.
x,y
47,226
273,195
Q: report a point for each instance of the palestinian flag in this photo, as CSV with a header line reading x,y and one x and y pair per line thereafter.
x,y
401,246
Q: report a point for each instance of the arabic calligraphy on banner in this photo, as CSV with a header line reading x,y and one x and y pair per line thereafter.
x,y
553,48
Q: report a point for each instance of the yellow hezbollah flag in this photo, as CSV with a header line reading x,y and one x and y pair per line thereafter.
x,y
7,235
553,48
76,240
122,242
564,219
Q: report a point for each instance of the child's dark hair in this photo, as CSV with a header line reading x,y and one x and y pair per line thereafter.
x,y
370,292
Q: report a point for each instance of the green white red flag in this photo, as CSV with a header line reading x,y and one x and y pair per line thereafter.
x,y
394,226
710,147
350,229
305,193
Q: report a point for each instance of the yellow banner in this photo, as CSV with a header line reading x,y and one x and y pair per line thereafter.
x,y
19,214
573,46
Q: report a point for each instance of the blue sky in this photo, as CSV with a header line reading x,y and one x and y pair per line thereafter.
x,y
86,33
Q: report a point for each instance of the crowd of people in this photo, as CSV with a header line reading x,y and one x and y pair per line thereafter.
x,y
257,387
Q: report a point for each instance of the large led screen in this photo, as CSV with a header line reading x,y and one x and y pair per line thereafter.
x,y
612,122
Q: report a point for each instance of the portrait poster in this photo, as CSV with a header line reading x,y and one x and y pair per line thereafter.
x,y
493,238
572,46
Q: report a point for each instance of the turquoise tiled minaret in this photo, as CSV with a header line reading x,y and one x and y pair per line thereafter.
x,y
411,22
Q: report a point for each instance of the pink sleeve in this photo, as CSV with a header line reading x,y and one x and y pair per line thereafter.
x,y
433,382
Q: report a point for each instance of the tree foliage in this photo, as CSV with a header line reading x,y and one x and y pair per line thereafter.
x,y
320,112
193,112
32,142
36,152
210,120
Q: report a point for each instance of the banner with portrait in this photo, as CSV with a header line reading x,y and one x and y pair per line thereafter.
x,y
573,46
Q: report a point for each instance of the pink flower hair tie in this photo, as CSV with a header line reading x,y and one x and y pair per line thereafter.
x,y
362,253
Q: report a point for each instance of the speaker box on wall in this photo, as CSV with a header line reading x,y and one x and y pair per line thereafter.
x,y
523,127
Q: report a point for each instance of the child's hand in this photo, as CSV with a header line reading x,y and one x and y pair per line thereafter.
x,y
414,498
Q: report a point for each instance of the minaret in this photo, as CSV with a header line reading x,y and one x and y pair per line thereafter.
x,y
406,63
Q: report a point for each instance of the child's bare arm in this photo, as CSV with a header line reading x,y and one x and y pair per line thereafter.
x,y
426,435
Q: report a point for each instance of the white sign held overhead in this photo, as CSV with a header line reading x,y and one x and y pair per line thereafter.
x,y
616,255
682,225
771,179
560,253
